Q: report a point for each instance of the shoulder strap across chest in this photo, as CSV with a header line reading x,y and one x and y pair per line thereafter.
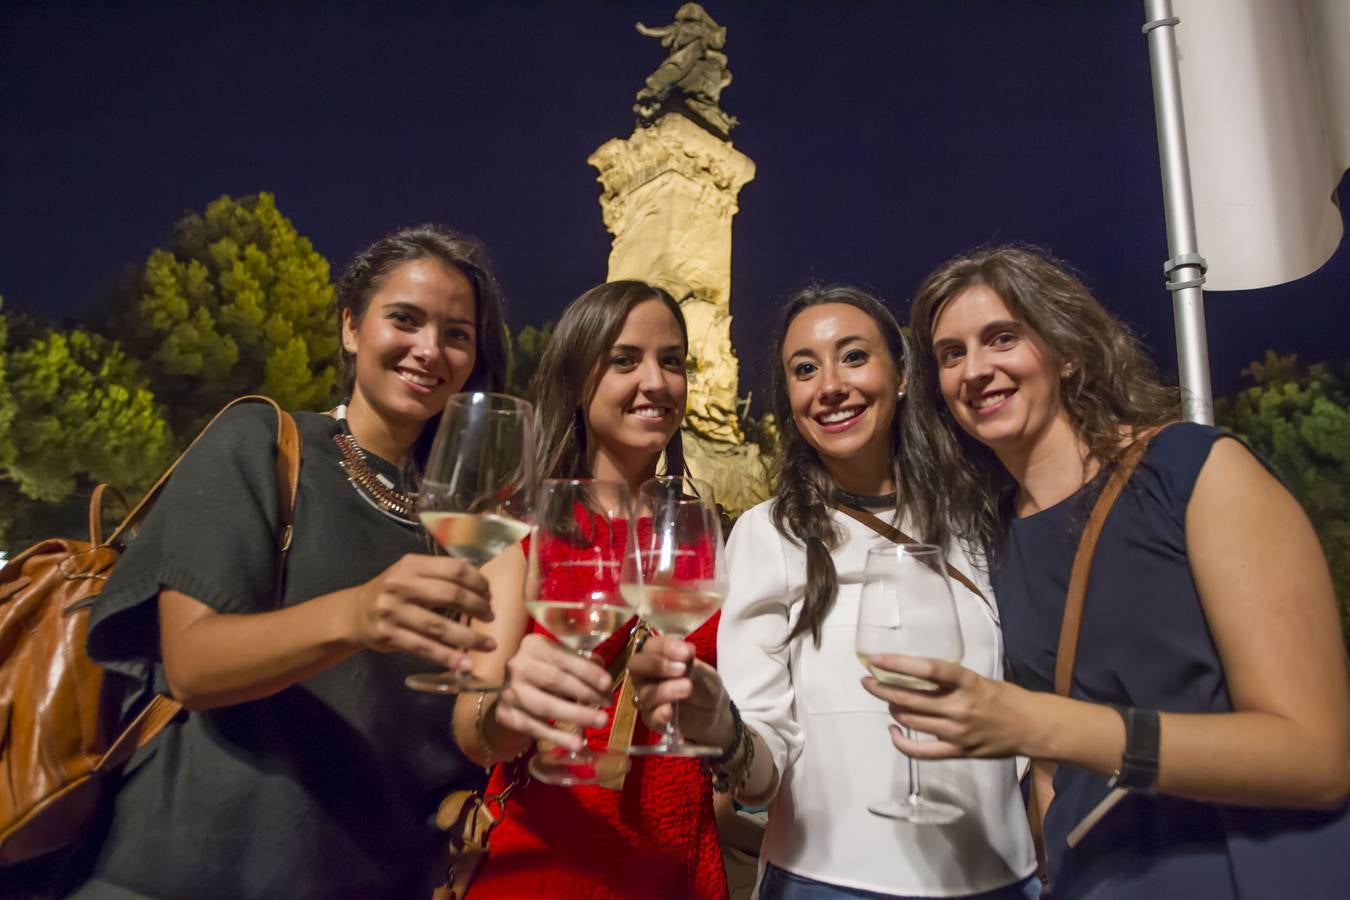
x,y
896,536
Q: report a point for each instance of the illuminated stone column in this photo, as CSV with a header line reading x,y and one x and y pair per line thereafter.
x,y
669,194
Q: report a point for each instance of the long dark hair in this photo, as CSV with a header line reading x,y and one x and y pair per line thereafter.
x,y
801,505
1111,386
563,383
369,269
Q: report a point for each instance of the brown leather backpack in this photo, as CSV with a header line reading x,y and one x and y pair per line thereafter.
x,y
61,729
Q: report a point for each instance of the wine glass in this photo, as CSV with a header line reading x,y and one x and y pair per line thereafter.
x,y
476,494
676,576
907,608
582,531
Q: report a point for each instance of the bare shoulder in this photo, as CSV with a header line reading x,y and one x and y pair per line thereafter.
x,y
1250,543
1233,479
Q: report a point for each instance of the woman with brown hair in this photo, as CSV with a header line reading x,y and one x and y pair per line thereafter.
x,y
611,392
798,733
302,766
1210,677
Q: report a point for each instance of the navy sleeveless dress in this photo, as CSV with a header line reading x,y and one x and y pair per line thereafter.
x,y
1145,643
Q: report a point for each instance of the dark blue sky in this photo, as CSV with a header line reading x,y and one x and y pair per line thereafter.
x,y
887,136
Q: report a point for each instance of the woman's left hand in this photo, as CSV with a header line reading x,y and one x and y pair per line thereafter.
x,y
968,714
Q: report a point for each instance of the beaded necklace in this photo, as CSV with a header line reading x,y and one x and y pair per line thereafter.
x,y
370,485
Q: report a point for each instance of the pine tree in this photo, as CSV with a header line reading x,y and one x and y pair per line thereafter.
x,y
527,348
238,302
85,411
1298,418
74,410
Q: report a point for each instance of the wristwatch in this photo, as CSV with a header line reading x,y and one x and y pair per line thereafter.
x,y
1139,763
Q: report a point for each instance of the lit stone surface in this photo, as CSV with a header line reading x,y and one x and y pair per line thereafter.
x,y
669,193
668,197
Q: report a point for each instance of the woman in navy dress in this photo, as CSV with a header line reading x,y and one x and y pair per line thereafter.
x,y
1210,619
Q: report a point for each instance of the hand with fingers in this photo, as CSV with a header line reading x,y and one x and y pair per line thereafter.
x,y
406,608
662,677
549,687
968,715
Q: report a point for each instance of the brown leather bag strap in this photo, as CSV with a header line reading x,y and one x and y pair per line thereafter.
x,y
468,818
96,511
1041,773
288,471
896,536
1072,622
625,707
151,720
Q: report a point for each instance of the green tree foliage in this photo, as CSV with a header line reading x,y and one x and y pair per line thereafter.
x,y
79,412
527,348
6,398
239,302
1299,418
82,408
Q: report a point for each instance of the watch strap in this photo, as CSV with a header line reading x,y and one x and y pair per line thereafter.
x,y
1139,763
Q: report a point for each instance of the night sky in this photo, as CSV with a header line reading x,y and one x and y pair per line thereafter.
x,y
887,136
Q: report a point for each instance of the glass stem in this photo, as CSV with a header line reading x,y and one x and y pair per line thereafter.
x,y
914,797
673,738
576,755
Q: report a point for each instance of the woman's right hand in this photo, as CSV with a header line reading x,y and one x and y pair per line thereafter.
x,y
661,674
546,683
406,607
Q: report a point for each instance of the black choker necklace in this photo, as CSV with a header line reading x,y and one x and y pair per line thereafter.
x,y
369,485
865,501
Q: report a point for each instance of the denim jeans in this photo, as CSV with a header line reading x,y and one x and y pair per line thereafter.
x,y
780,884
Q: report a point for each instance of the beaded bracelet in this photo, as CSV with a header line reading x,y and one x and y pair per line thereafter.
x,y
717,765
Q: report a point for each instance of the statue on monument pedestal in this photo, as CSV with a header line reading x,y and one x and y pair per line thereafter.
x,y
668,196
691,79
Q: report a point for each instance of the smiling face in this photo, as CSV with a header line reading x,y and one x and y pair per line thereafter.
x,y
842,384
999,380
636,401
415,344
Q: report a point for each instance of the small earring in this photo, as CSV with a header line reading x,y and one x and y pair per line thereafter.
x,y
900,394
1067,371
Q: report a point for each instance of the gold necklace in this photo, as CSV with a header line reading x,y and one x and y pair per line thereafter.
x,y
372,488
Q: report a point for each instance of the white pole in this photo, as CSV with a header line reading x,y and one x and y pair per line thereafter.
x,y
1185,269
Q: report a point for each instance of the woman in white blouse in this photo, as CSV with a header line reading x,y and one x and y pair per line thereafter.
x,y
802,736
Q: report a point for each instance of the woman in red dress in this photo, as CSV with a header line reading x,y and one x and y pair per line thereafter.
x,y
610,391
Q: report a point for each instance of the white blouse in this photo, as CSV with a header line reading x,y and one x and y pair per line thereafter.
x,y
829,738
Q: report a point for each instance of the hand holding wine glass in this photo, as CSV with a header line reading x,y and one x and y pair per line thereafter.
x,y
583,531
666,672
676,577
403,610
907,608
476,494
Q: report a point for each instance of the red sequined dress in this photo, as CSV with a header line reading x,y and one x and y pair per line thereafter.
x,y
657,838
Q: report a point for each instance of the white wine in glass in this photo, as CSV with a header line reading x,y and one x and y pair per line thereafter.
x,y
583,529
581,625
476,537
906,608
476,494
676,576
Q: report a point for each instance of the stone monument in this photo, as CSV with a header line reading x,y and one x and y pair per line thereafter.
x,y
668,196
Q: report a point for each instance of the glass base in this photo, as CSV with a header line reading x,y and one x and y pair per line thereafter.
x,y
917,810
565,768
450,683
679,747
